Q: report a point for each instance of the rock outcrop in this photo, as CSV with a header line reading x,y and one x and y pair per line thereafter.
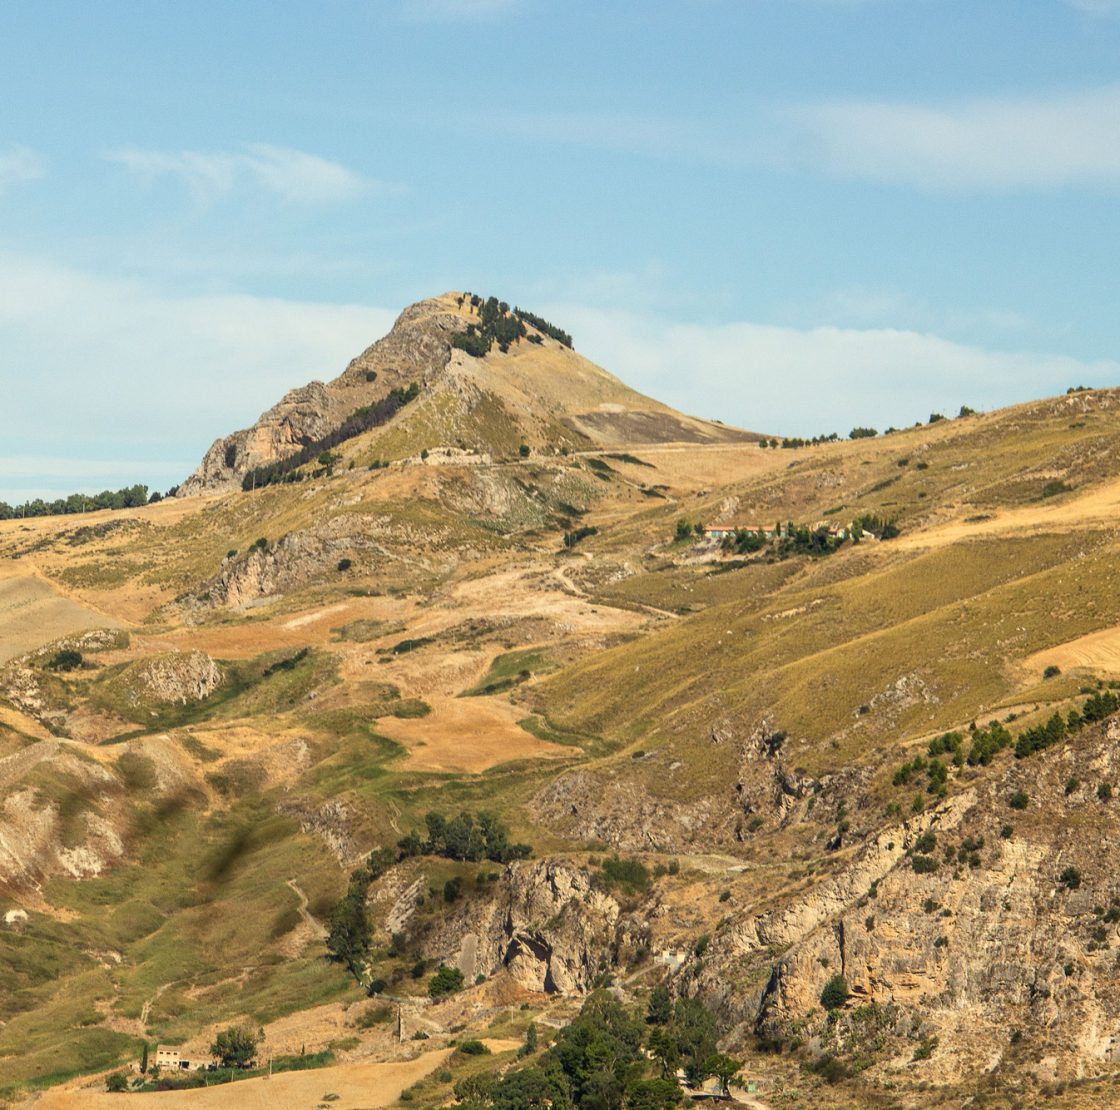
x,y
547,924
418,346
1012,922
172,678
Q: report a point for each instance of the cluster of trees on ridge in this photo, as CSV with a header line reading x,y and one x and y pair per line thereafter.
x,y
465,837
791,539
608,1058
361,420
985,743
497,324
127,497
860,432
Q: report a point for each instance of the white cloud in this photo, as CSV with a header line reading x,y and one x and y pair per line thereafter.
x,y
104,367
18,165
803,381
997,143
292,175
1096,7
459,9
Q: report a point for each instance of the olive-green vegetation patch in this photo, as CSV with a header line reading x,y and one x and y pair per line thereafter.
x,y
102,574
70,796
197,748
377,699
362,631
510,669
193,920
544,728
279,681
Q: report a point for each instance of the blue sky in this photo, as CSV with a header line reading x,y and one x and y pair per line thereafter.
x,y
794,215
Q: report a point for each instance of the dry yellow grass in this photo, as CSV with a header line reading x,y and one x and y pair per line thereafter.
x,y
356,1084
468,735
34,612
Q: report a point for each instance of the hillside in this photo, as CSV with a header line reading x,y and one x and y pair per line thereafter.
x,y
750,769
537,391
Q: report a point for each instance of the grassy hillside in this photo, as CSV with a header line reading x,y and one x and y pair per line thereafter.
x,y
485,629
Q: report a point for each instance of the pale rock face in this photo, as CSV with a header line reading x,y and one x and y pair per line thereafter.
x,y
547,925
178,678
596,806
990,941
418,345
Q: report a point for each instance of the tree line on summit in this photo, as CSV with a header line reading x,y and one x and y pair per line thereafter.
x,y
497,324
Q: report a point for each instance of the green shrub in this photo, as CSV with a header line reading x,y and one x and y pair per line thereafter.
x,y
66,660
1055,487
447,980
1070,878
835,993
474,1048
1018,800
1052,671
629,875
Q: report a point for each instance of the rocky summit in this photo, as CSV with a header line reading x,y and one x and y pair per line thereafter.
x,y
474,730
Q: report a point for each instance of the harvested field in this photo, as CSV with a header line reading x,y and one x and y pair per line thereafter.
x,y
356,1085
468,735
33,612
243,641
1099,651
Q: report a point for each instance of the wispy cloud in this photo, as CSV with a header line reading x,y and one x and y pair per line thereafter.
x,y
18,165
814,379
459,9
153,373
656,136
292,175
997,143
1096,7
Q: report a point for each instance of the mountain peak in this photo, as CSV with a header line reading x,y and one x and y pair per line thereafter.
x,y
485,377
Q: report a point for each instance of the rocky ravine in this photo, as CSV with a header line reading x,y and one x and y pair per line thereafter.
x,y
1014,929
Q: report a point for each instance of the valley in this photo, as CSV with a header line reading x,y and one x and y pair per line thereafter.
x,y
726,766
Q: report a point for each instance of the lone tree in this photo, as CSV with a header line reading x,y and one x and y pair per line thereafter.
x,y
725,1069
236,1048
350,933
660,1010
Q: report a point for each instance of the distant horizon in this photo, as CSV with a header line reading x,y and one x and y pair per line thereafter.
x,y
795,216
54,493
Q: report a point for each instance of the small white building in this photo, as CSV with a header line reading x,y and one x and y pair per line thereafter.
x,y
174,1059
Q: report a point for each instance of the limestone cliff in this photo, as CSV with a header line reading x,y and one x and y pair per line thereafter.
x,y
418,345
992,929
